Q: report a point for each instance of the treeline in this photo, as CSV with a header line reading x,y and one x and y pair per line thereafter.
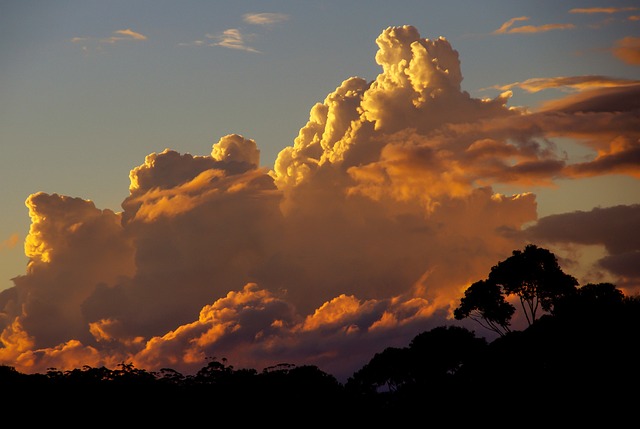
x,y
577,361
582,359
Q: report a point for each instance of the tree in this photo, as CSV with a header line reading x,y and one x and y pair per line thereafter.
x,y
386,371
592,301
437,355
533,275
484,303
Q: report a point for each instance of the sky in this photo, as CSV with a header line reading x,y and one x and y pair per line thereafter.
x,y
300,181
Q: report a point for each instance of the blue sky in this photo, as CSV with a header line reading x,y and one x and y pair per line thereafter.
x,y
90,88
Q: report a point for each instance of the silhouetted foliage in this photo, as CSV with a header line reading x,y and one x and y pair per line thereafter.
x,y
484,303
533,275
575,363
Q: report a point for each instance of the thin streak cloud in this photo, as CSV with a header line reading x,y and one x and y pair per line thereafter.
x,y
116,37
264,18
130,33
578,83
507,27
609,10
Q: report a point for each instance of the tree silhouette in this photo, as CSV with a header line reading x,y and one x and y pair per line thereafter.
x,y
601,300
431,360
386,371
484,303
533,275
575,362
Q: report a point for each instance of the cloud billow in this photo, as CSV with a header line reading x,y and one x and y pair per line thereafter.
x,y
366,231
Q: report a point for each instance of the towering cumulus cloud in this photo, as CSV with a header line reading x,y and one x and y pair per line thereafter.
x,y
365,233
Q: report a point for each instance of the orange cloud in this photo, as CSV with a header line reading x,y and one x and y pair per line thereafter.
x,y
130,33
573,82
608,10
628,50
10,242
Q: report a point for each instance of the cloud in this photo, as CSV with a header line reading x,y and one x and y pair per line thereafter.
x,y
578,83
236,38
628,50
232,38
365,233
116,37
508,28
128,33
607,10
264,18
609,227
10,242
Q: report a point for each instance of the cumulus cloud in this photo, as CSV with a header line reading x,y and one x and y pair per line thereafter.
x,y
366,232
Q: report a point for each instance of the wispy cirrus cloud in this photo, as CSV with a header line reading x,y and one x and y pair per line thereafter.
x,y
236,38
608,10
233,38
577,83
264,18
127,34
508,28
116,37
